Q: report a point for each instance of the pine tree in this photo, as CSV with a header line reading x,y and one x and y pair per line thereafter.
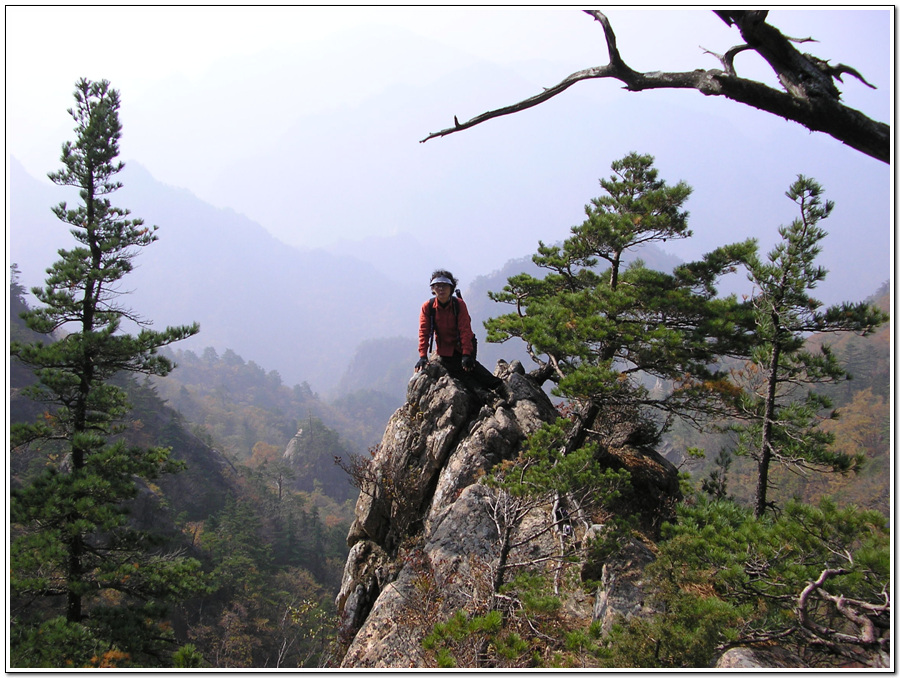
x,y
716,484
603,334
17,329
16,291
781,412
814,579
72,538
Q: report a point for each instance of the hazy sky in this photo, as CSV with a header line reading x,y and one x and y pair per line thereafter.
x,y
205,87
142,48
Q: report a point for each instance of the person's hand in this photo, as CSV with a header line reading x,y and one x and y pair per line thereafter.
x,y
467,363
422,362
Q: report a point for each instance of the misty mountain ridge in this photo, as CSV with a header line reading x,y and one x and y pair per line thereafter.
x,y
322,317
304,313
357,172
401,257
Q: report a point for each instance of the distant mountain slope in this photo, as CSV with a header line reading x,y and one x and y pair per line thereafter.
x,y
239,405
867,359
383,365
301,312
203,488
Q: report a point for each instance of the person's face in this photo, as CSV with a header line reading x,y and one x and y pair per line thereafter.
x,y
442,291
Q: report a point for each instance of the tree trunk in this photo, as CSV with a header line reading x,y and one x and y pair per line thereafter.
x,y
765,452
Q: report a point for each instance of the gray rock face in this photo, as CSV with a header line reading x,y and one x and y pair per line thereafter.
x,y
424,488
436,445
430,585
621,592
367,571
759,658
425,540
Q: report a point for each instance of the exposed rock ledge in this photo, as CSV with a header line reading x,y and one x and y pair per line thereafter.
x,y
424,538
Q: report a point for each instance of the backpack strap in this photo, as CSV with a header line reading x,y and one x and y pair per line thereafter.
x,y
431,328
433,307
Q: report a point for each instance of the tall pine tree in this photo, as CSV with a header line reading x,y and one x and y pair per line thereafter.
x,y
71,535
781,411
606,333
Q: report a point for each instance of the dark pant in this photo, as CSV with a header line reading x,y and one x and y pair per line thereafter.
x,y
477,376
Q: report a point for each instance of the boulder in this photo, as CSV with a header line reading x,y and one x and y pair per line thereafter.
x,y
770,657
429,586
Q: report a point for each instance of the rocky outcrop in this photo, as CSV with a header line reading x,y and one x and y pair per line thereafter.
x,y
430,538
430,585
425,540
759,658
437,444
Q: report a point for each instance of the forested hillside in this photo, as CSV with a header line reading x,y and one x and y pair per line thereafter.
x,y
861,426
271,553
271,599
239,404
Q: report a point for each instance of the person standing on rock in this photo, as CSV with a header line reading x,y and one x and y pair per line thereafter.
x,y
445,321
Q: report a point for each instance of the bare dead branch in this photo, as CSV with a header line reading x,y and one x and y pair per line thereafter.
x,y
810,96
860,613
727,59
548,93
837,71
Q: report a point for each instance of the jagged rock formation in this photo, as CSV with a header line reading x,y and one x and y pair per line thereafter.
x,y
426,538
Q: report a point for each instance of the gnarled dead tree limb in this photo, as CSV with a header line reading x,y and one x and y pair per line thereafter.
x,y
869,619
810,96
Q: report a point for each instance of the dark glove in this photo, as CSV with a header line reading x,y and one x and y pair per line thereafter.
x,y
468,363
423,361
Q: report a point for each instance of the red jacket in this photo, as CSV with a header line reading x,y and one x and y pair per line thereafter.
x,y
453,331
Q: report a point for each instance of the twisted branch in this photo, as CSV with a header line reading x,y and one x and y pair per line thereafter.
x,y
810,96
